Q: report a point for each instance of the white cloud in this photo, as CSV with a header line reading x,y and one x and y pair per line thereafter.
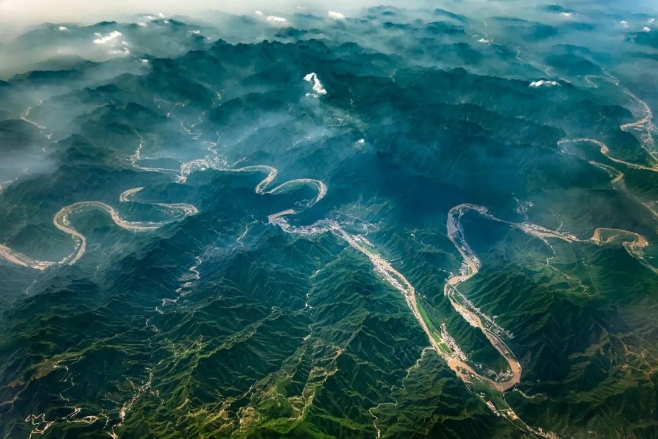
x,y
258,14
336,15
541,82
566,14
651,20
196,32
317,85
144,61
147,18
484,41
109,38
121,52
646,29
275,19
624,23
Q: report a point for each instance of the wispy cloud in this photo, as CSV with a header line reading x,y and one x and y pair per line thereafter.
x,y
336,15
543,83
318,88
109,38
275,19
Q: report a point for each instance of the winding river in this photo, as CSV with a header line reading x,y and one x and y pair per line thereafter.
x,y
440,340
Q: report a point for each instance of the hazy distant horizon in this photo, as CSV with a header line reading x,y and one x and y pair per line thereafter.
x,y
39,11
19,13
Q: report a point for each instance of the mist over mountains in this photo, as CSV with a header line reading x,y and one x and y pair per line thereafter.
x,y
371,221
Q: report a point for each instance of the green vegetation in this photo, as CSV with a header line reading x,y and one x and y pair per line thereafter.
x,y
215,322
